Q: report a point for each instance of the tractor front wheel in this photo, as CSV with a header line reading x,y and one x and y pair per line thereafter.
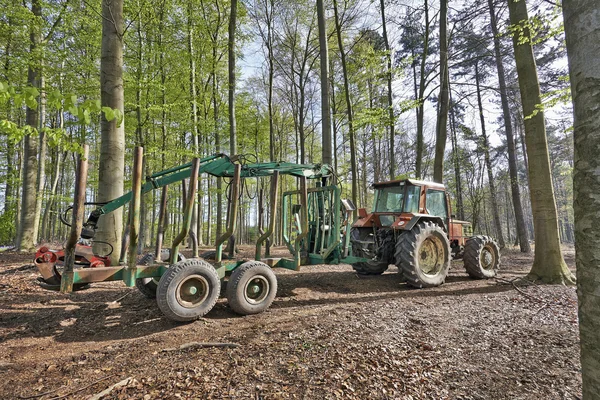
x,y
363,245
188,290
423,255
251,288
481,257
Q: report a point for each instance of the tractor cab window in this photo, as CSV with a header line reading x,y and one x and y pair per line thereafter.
x,y
436,203
390,199
413,194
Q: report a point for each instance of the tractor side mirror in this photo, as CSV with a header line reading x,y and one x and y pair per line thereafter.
x,y
348,205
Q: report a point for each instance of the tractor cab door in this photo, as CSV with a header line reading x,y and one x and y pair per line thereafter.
x,y
436,205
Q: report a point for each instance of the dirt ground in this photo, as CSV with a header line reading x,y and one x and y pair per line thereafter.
x,y
329,334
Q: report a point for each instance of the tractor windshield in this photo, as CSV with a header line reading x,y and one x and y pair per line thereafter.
x,y
391,199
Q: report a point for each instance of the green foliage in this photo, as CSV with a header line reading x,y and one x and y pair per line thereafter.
x,y
7,227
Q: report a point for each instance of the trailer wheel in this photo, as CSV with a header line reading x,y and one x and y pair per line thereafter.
x,y
148,286
188,290
251,288
423,255
481,257
363,243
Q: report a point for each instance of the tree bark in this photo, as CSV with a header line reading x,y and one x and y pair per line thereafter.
x,y
488,162
442,117
548,264
510,140
353,166
325,110
390,104
582,31
43,153
420,99
196,221
231,70
26,236
112,147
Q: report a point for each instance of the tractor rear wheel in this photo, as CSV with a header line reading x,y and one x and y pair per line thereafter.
x,y
188,290
363,245
481,257
147,286
423,255
251,288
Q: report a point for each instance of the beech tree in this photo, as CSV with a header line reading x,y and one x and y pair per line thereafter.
x,y
582,31
548,264
112,148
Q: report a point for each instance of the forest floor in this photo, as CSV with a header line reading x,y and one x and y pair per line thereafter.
x,y
329,334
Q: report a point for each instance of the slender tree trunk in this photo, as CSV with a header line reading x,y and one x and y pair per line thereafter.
x,y
231,70
325,110
420,99
457,176
582,31
333,116
353,167
271,62
488,163
26,235
390,103
196,221
43,153
442,117
548,265
512,157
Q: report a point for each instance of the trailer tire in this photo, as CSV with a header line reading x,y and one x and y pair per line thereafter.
x,y
251,288
481,257
188,290
423,255
148,286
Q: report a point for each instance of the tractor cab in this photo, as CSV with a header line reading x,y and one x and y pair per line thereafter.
x,y
402,203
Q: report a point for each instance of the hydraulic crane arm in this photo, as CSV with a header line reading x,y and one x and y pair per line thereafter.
x,y
219,165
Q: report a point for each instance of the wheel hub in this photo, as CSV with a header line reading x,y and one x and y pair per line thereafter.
x,y
487,257
192,291
256,290
431,256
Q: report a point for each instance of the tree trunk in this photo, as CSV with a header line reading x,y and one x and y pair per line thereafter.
x,y
442,117
390,104
271,62
420,99
43,153
353,167
488,163
457,177
582,31
112,147
512,157
548,265
196,221
26,235
325,110
231,70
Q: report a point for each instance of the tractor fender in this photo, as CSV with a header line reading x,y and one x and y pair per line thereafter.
x,y
418,218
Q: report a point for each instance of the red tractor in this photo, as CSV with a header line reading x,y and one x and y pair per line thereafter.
x,y
411,226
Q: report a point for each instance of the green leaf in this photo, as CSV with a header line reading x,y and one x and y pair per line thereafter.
x,y
3,87
109,113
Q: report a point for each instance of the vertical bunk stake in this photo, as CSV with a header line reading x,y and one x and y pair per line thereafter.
x,y
68,276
